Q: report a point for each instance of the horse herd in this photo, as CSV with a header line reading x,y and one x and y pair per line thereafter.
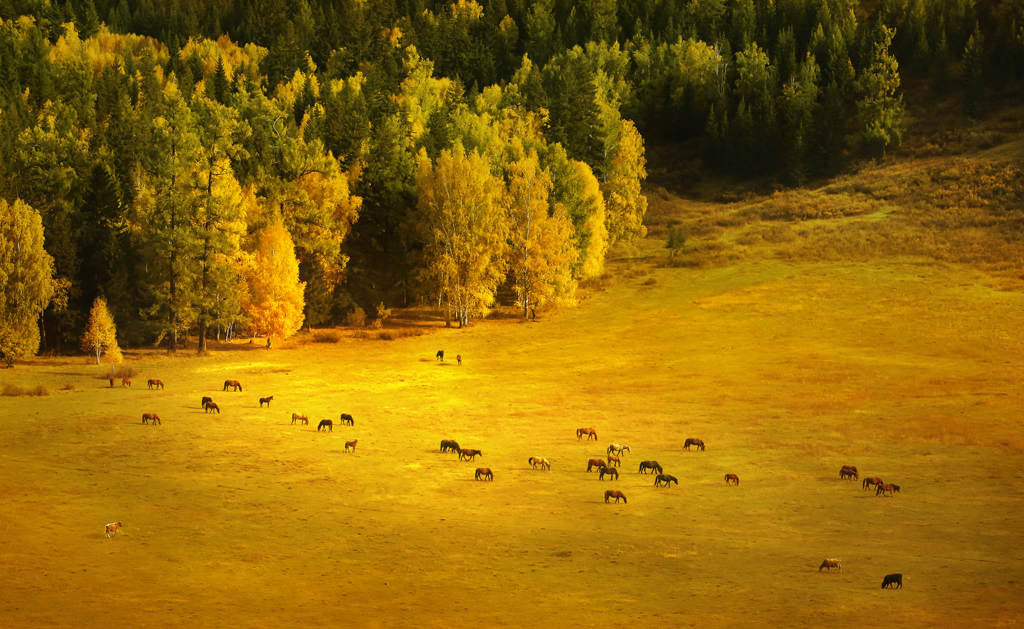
x,y
882,488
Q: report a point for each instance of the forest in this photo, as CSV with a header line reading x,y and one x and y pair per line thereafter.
x,y
209,169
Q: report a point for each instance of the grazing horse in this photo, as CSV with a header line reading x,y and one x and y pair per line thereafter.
x,y
650,465
732,479
325,423
614,460
468,454
126,382
351,445
211,406
154,383
611,472
439,355
544,464
617,448
483,473
665,479
266,400
458,357
893,581
848,471
615,493
300,418
151,417
205,399
347,419
697,443
112,529
886,489
871,481
831,563
589,432
449,444
234,385
598,463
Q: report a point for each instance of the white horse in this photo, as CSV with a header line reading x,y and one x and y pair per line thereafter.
x,y
617,448
541,461
112,529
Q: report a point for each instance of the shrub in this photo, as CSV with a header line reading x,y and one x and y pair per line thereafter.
x,y
356,318
118,372
11,390
326,336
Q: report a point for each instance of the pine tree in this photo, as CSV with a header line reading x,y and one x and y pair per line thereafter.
x,y
973,73
101,333
880,106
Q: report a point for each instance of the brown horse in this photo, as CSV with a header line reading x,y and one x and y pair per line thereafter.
x,y
871,481
126,382
449,444
151,417
848,471
697,443
614,460
589,432
266,400
732,479
347,419
351,445
468,454
300,418
540,461
611,472
598,463
234,385
665,479
831,563
325,424
111,529
615,493
154,383
887,489
211,406
653,466
484,473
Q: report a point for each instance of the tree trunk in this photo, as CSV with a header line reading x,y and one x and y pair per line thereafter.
x,y
97,355
202,337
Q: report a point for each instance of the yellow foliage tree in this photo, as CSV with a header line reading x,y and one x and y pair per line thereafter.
x,y
101,333
542,250
275,301
625,203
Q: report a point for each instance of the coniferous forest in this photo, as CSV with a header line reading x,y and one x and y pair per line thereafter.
x,y
170,156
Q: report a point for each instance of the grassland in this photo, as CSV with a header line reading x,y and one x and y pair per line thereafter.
x,y
905,363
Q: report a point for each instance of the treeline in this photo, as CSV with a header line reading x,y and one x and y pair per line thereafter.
x,y
161,140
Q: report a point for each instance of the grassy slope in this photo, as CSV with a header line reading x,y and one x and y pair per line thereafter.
x,y
787,368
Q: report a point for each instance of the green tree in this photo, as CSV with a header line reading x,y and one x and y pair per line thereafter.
x,y
101,333
880,106
974,73
26,279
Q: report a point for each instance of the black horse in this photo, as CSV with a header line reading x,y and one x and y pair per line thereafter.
x,y
347,419
893,581
439,355
665,479
325,423
450,445
205,399
650,465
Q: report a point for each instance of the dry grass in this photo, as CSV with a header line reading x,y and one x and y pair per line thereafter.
x,y
11,390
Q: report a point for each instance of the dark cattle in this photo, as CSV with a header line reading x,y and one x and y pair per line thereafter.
x,y
653,466
829,564
211,406
439,355
351,445
325,424
300,418
347,419
614,460
468,454
589,432
266,400
205,399
611,472
151,417
598,463
665,479
732,479
893,581
234,385
449,444
615,493
871,481
154,383
697,443
483,473
848,471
